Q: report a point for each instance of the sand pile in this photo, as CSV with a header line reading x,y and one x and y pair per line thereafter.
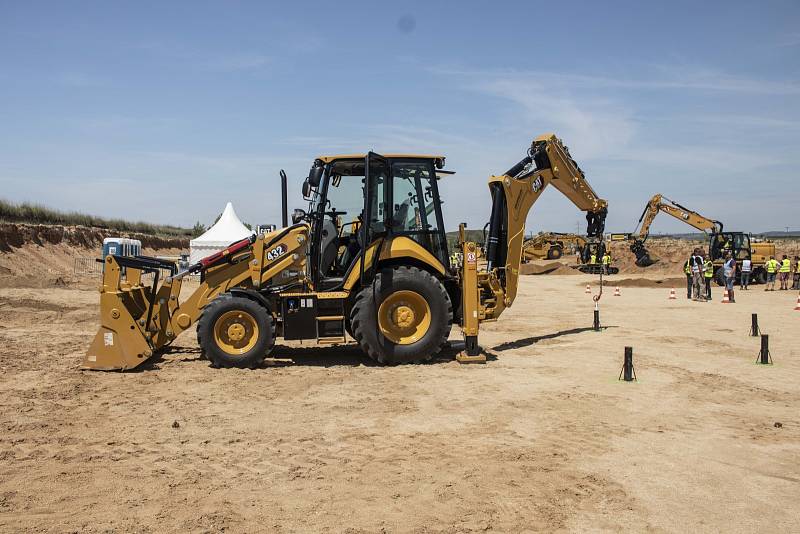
x,y
644,282
547,267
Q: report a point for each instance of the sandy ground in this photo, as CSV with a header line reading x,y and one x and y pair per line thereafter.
x,y
541,438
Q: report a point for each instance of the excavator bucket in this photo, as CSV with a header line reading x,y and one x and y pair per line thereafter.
x,y
126,310
643,258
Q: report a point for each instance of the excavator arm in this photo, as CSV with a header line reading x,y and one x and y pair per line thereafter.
x,y
659,204
487,292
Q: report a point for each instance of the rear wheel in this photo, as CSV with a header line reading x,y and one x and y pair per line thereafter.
x,y
760,276
235,332
554,253
404,316
719,277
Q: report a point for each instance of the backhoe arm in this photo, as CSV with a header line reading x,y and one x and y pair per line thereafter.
x,y
487,292
515,192
657,205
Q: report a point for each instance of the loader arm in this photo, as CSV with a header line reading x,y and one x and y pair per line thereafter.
x,y
661,204
487,292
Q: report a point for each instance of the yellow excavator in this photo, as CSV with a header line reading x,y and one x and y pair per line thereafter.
x,y
368,258
720,242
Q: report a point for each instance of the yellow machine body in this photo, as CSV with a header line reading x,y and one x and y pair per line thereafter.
x,y
266,282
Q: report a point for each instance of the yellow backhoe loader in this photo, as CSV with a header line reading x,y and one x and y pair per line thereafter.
x,y
720,242
368,258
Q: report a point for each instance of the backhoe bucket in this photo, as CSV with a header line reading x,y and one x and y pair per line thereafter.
x,y
126,309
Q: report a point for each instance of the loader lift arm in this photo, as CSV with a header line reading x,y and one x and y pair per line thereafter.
x,y
487,292
658,204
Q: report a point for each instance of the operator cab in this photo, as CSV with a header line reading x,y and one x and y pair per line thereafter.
x,y
396,194
737,243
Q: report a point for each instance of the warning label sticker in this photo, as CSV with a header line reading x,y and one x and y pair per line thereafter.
x,y
108,339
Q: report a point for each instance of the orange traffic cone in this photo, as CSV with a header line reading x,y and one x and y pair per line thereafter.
x,y
588,289
672,294
725,299
797,306
617,293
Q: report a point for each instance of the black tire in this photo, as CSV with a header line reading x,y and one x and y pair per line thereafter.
x,y
199,337
760,276
364,316
554,253
253,356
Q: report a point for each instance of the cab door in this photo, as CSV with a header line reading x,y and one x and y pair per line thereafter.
x,y
373,225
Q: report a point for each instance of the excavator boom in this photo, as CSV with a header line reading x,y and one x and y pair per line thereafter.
x,y
658,204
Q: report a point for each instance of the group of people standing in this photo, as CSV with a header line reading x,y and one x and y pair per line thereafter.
x,y
699,272
783,270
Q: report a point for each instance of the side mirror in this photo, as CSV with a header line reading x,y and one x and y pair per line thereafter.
x,y
298,214
306,189
315,176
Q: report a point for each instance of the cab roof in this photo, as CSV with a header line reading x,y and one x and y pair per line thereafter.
x,y
328,159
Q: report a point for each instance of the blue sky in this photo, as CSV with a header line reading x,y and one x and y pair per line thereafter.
x,y
163,111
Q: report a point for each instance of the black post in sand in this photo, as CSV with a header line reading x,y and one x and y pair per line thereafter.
x,y
764,357
627,373
596,325
754,330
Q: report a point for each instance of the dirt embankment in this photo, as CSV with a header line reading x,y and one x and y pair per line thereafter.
x,y
46,256
16,235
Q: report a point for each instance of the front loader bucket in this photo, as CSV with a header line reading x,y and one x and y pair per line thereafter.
x,y
119,343
127,309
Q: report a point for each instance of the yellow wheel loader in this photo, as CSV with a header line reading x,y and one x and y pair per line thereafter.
x,y
368,259
551,246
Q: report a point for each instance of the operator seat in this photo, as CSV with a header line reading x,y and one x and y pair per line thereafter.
x,y
329,246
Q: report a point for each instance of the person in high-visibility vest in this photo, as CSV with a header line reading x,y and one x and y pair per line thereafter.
x,y
796,283
772,268
747,269
784,270
687,270
708,272
729,272
593,259
606,262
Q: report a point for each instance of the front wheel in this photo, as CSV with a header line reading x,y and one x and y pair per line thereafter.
x,y
404,316
235,332
554,253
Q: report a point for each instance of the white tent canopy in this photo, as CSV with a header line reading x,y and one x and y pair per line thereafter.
x,y
225,231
